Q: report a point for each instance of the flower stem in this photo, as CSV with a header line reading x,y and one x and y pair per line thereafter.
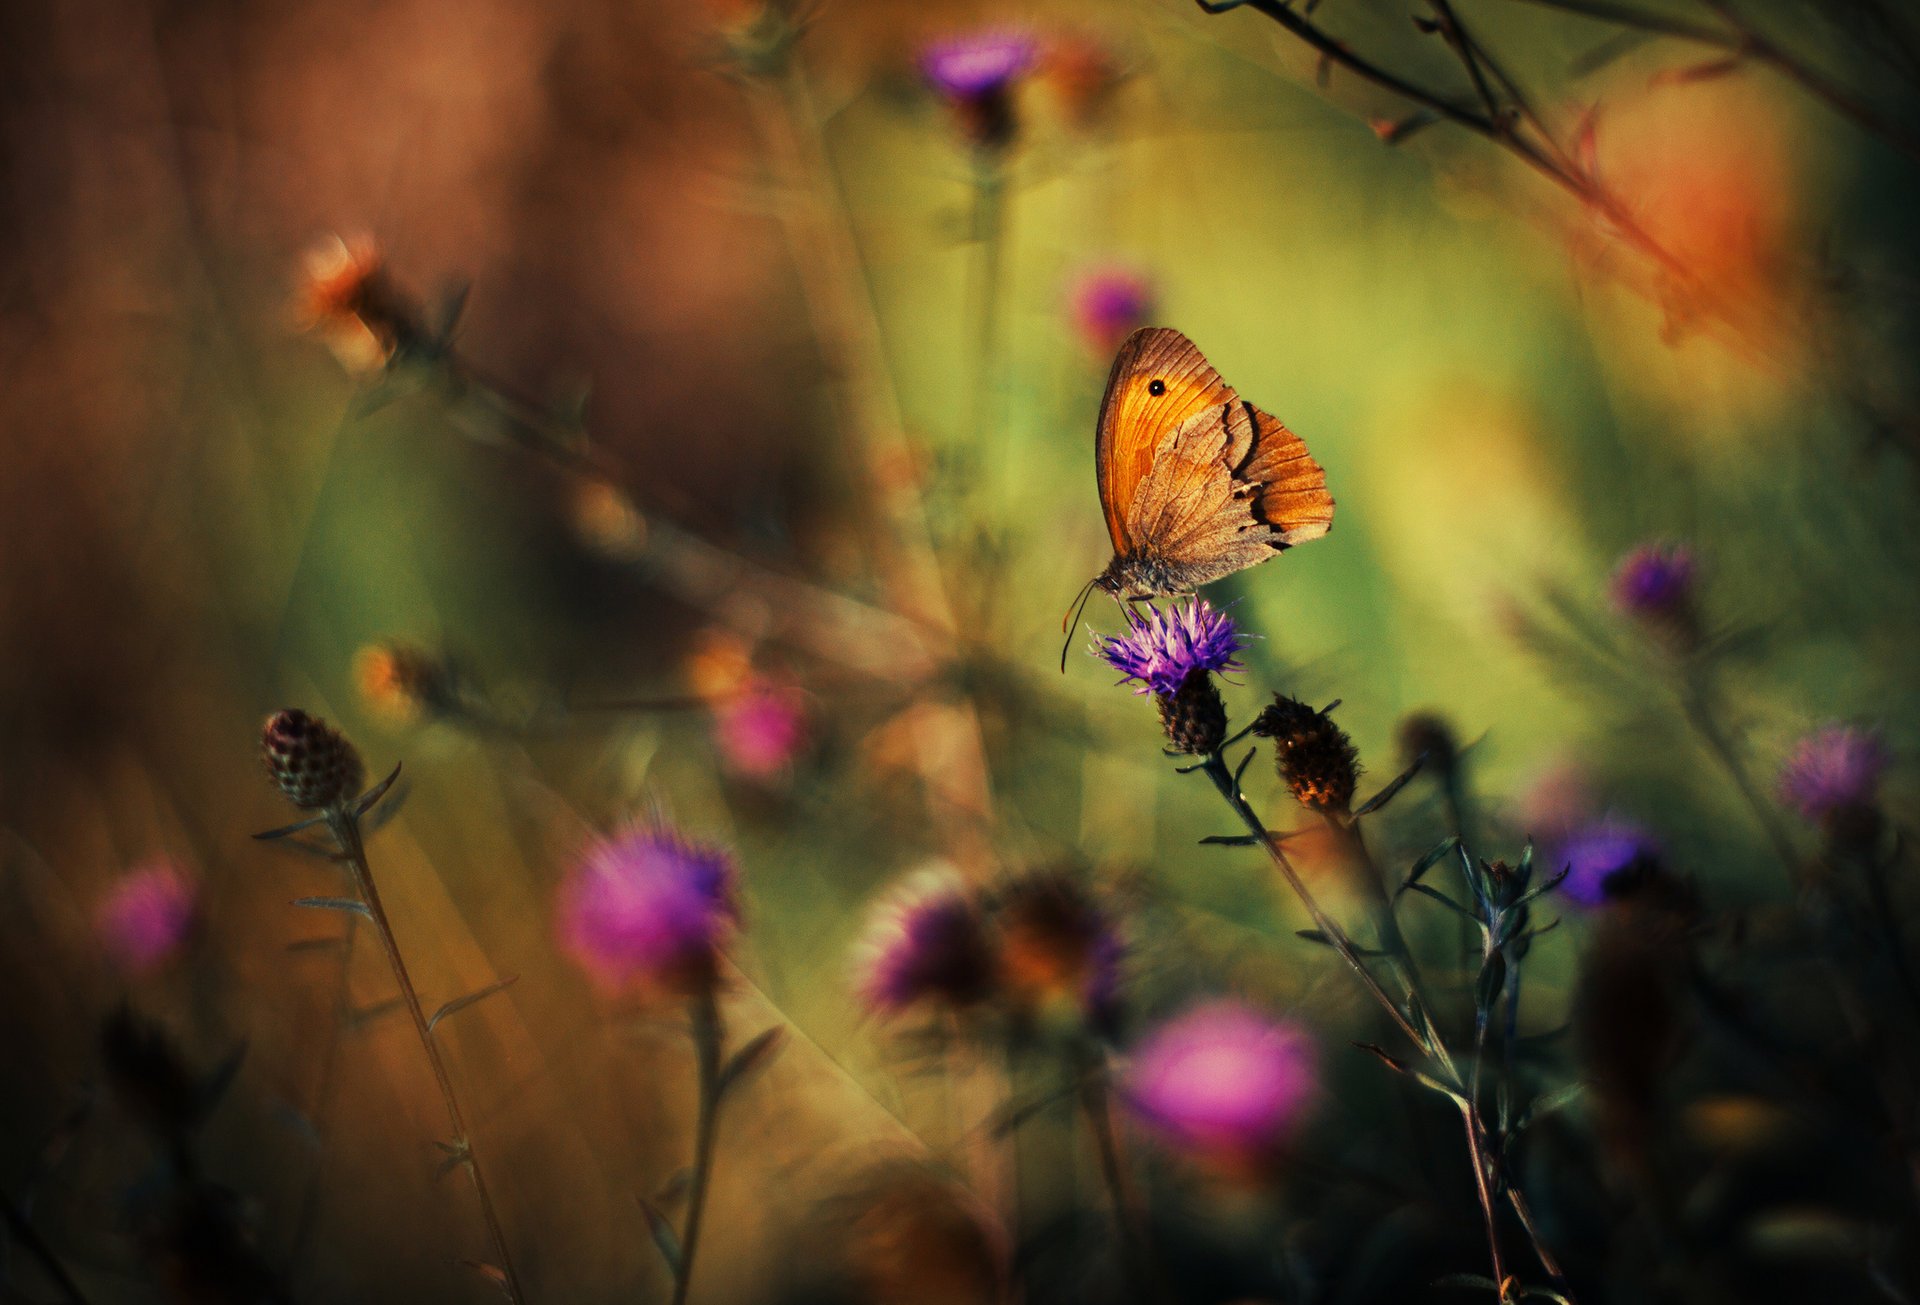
x,y
1094,1076
707,1037
345,827
1697,699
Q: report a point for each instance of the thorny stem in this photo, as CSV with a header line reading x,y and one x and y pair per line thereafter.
x,y
50,1263
1096,1103
1425,1035
345,827
707,1036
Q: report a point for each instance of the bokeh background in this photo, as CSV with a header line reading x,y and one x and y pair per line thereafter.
x,y
838,416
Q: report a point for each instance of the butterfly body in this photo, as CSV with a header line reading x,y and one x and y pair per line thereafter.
x,y
1196,482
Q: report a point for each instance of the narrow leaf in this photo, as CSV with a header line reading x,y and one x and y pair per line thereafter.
x,y
1318,936
1428,862
1548,1102
294,828
1441,898
1229,840
359,1019
1388,793
665,1239
461,1003
350,904
374,794
756,1054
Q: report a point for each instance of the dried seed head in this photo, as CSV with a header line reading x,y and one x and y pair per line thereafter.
x,y
311,761
1193,715
1313,756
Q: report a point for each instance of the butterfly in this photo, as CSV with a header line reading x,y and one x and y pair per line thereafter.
x,y
1196,482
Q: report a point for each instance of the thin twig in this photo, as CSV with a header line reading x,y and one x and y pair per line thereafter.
x,y
707,1038
345,827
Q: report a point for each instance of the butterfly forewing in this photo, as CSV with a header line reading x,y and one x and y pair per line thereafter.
x,y
1159,380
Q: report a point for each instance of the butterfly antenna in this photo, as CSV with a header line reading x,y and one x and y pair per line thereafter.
x,y
1070,623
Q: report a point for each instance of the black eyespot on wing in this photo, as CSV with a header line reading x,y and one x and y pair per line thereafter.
x,y
1156,388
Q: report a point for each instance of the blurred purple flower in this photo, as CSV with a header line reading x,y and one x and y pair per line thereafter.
x,y
1833,768
148,916
978,64
1162,648
648,909
926,941
1654,580
1223,1082
1601,859
761,731
1108,303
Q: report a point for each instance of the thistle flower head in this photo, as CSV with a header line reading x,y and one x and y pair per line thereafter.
x,y
648,910
1060,948
926,942
1313,756
1108,304
312,762
1223,1083
1832,769
1604,861
148,916
1655,582
976,74
1162,648
761,730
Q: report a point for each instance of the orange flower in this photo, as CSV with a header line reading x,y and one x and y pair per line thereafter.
x,y
345,299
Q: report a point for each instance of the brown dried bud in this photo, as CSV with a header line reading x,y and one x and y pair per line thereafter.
x,y
1193,715
1430,735
1313,756
311,761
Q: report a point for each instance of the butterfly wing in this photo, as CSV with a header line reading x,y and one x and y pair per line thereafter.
x,y
1226,489
1134,420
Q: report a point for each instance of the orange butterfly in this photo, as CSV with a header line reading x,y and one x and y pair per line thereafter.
x,y
1196,482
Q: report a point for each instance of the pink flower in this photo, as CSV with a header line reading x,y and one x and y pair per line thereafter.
x,y
926,942
148,916
1834,768
646,909
1224,1083
761,731
1108,304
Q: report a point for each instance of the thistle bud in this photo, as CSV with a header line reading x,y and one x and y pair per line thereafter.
x,y
1430,735
1314,756
311,761
1194,715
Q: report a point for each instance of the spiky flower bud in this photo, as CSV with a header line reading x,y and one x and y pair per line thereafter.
x,y
1313,756
1194,715
312,762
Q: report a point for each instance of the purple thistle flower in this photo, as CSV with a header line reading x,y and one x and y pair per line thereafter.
x,y
1832,769
1108,303
977,65
1223,1082
148,916
1601,859
1654,581
648,909
1162,648
760,732
927,941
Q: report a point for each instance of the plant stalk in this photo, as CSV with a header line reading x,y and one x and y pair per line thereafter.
x,y
707,1039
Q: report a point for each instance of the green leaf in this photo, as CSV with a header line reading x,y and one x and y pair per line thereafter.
x,y
1428,862
755,1055
352,905
665,1239
1388,793
461,1003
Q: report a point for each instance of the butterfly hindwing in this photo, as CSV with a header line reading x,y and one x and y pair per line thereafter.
x,y
1134,420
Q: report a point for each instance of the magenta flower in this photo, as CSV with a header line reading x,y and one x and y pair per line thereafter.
x,y
1108,303
926,942
1223,1082
1655,581
1832,769
760,732
1602,860
148,916
646,909
1162,648
976,75
978,64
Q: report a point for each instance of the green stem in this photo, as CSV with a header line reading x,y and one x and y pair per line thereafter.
x,y
707,1037
1697,700
345,827
1096,1103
